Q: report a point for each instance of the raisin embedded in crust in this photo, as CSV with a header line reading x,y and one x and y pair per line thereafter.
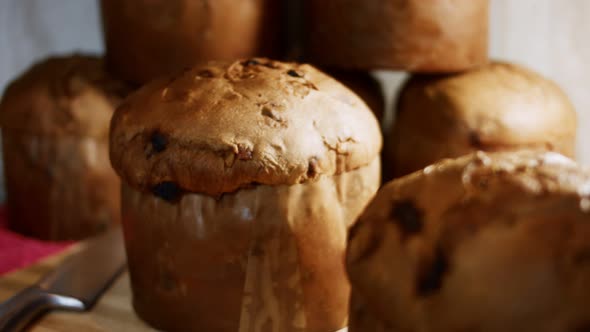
x,y
430,279
407,217
168,191
250,62
158,141
293,73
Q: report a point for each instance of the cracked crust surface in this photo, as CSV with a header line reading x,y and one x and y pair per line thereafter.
x,y
223,126
69,95
487,242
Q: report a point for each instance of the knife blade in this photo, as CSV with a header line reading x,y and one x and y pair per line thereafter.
x,y
75,285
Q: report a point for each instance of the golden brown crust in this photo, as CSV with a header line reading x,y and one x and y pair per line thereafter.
x,y
497,107
223,126
147,39
414,35
487,242
70,95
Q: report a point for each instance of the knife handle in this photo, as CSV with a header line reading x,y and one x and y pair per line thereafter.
x,y
18,311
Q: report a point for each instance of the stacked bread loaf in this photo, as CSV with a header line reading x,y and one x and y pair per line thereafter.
x,y
146,38
496,107
455,100
55,126
412,35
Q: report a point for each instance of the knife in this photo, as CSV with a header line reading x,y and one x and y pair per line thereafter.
x,y
75,285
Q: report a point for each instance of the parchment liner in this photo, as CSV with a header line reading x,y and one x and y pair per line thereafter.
x,y
264,259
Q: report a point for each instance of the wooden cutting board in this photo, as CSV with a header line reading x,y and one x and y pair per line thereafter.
x,y
112,313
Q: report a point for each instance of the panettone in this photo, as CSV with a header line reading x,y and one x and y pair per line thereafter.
x,y
494,242
55,124
240,181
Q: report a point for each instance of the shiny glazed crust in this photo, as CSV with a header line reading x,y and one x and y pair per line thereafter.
x,y
220,127
414,35
268,258
487,242
497,107
146,39
59,188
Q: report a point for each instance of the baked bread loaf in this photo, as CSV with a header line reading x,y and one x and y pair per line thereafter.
x,y
413,35
497,107
55,119
145,39
240,181
494,242
365,86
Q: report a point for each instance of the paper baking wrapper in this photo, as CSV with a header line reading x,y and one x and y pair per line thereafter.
x,y
265,259
59,188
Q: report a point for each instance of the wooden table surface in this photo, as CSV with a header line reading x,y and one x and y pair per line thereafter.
x,y
112,313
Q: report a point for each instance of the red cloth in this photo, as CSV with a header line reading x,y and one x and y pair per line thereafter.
x,y
17,251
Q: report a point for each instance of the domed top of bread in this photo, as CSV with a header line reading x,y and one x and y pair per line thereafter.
x,y
69,95
489,241
496,107
223,126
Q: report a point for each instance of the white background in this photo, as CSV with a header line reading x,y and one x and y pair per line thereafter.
x,y
549,36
